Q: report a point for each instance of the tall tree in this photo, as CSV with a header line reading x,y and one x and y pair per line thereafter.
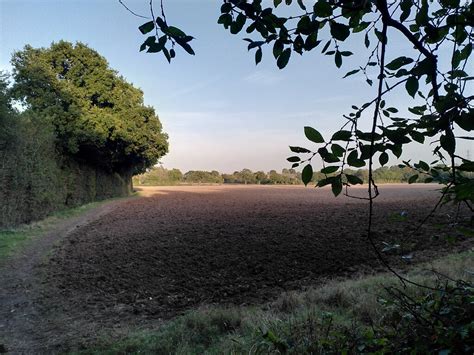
x,y
98,117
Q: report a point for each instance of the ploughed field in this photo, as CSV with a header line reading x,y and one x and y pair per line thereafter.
x,y
180,247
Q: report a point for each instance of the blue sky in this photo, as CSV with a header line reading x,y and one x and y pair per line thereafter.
x,y
220,110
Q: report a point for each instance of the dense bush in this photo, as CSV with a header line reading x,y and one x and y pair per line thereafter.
x,y
159,176
438,321
36,180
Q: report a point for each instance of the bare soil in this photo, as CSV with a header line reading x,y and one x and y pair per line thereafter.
x,y
152,258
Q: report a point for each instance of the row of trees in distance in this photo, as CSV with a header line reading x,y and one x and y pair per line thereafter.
x,y
163,176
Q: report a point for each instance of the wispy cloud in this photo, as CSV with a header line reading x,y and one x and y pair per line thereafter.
x,y
193,88
263,77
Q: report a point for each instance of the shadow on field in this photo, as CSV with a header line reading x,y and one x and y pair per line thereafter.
x,y
185,246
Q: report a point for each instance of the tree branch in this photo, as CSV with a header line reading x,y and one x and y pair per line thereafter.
x,y
390,22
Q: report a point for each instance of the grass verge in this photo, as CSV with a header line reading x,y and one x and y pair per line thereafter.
x,y
338,317
13,239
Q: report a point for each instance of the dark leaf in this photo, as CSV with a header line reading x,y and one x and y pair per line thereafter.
x,y
305,25
337,150
412,86
227,7
258,56
417,136
405,6
322,9
342,135
354,180
238,24
298,44
299,150
423,165
398,63
185,46
467,166
225,19
293,159
465,121
352,72
325,182
353,160
175,32
328,157
329,169
448,142
277,48
339,31
383,159
326,46
284,58
413,178
338,59
336,186
307,174
311,41
313,135
147,27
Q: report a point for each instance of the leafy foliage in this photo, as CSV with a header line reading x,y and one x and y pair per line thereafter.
x,y
98,117
437,321
36,178
163,38
157,176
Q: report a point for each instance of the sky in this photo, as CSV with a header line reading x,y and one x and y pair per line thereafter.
x,y
220,110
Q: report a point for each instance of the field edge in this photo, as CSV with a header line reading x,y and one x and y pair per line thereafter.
x,y
349,303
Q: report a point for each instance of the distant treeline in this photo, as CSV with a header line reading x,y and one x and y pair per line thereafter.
x,y
162,176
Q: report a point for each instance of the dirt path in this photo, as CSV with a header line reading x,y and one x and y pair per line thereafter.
x,y
24,327
136,262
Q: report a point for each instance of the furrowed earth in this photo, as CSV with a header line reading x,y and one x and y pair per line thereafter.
x,y
183,246
152,258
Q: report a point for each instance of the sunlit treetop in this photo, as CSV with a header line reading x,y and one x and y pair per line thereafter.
x,y
98,116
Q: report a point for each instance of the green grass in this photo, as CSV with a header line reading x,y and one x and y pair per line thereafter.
x,y
13,239
300,321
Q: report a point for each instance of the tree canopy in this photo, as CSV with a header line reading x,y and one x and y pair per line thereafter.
x,y
98,116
